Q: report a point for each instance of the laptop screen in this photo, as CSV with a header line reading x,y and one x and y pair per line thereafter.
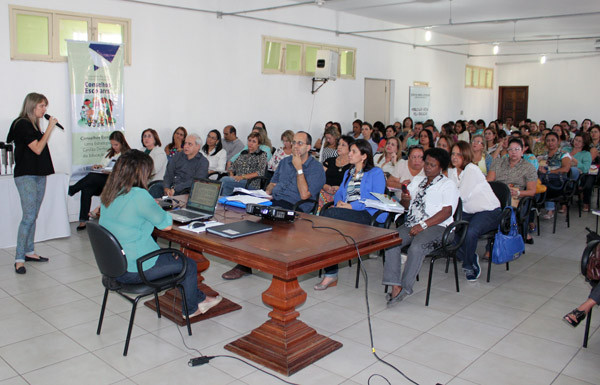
x,y
204,195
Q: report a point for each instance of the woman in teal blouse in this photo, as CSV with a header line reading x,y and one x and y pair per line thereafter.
x,y
130,213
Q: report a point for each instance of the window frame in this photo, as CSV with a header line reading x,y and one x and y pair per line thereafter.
x,y
475,81
54,18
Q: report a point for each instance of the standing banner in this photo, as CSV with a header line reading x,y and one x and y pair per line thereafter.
x,y
96,74
418,107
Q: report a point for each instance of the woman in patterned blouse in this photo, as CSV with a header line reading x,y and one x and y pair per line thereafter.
x,y
251,163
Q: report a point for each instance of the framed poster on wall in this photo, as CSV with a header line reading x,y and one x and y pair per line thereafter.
x,y
418,103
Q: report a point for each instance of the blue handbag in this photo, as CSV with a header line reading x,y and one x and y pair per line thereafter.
x,y
508,247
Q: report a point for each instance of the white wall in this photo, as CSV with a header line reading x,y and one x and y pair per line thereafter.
x,y
195,70
558,90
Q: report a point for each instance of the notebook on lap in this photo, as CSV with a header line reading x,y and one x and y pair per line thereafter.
x,y
239,229
201,202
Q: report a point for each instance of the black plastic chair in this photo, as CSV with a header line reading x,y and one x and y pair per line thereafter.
x,y
112,263
452,239
264,181
537,206
313,209
564,199
522,212
584,262
502,192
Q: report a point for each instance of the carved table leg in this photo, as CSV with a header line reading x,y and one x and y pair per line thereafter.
x,y
284,343
170,301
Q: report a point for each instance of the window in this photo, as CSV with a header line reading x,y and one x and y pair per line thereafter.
x,y
41,34
479,77
282,56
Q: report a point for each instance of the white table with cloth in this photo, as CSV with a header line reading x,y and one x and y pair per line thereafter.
x,y
53,219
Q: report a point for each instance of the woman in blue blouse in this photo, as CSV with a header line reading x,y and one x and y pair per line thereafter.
x,y
130,213
359,182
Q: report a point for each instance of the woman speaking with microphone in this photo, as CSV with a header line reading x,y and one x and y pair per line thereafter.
x,y
32,164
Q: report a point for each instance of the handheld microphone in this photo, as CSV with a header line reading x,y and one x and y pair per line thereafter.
x,y
57,124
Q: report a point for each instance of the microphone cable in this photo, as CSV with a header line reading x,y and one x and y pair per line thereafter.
x,y
364,273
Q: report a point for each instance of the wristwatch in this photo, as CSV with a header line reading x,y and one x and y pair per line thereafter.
x,y
423,224
300,172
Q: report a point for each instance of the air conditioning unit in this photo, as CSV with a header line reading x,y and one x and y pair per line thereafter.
x,y
327,64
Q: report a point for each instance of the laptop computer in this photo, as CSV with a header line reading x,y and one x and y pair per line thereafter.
x,y
201,202
239,229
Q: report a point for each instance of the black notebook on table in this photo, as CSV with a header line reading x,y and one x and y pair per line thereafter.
x,y
239,229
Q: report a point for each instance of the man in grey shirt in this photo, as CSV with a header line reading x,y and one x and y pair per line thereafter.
x,y
231,144
185,166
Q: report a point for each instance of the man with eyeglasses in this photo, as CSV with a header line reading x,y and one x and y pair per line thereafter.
x,y
297,177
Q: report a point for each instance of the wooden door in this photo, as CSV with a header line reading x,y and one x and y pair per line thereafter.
x,y
512,102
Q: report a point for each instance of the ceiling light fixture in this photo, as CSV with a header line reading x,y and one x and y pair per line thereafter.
x,y
320,3
543,59
427,35
496,49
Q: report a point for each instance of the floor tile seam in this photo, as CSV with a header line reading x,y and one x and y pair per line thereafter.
x,y
30,338
236,336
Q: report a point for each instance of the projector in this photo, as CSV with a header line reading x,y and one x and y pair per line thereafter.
x,y
271,212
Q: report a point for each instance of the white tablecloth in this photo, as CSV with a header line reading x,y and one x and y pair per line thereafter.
x,y
53,220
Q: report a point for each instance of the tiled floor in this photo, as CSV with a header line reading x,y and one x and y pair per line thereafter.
x,y
508,331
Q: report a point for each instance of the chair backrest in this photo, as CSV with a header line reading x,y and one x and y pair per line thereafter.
x,y
524,208
109,254
502,192
458,212
454,235
585,257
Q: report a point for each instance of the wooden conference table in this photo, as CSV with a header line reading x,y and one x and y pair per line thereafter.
x,y
283,343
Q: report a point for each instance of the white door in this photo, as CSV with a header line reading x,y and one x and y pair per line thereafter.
x,y
377,100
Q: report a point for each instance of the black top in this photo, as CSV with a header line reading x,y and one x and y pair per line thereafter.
x,y
27,162
334,174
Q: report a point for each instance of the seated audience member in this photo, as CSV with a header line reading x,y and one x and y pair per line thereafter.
x,y
461,131
540,146
578,314
231,143
131,214
338,127
517,173
184,167
356,132
266,148
426,139
412,137
407,169
215,153
151,143
431,201
335,169
321,140
581,160
527,154
480,206
262,129
359,182
595,143
585,125
390,155
378,132
297,177
482,159
491,140
283,151
445,142
93,183
390,132
329,147
554,166
177,141
251,163
367,134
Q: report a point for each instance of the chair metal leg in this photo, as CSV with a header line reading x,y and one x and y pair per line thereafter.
x,y
491,247
447,264
157,304
185,309
357,274
455,273
102,311
507,266
538,222
568,216
587,328
350,263
130,328
555,217
320,272
429,281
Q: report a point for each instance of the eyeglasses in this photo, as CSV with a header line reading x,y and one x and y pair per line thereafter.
x,y
299,143
514,149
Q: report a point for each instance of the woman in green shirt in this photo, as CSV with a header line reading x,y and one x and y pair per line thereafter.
x,y
130,213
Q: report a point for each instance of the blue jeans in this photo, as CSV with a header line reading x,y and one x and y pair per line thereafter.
x,y
479,224
31,191
157,190
357,216
167,265
228,184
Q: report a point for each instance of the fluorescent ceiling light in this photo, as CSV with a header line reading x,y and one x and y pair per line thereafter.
x,y
496,49
543,59
428,35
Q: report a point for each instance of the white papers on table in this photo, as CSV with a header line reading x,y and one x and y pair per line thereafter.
x,y
200,229
246,199
375,204
254,193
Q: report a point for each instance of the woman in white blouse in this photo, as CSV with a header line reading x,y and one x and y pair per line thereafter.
x,y
215,153
480,206
388,158
151,143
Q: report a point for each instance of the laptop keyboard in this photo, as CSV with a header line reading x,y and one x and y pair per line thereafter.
x,y
187,214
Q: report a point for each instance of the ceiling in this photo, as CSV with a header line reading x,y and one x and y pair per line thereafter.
x,y
523,29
